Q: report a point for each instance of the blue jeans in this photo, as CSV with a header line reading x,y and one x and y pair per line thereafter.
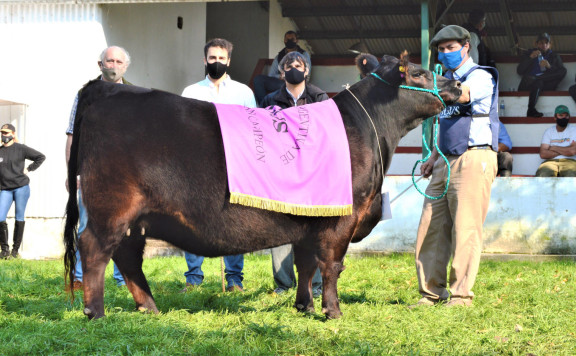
x,y
283,269
19,196
234,265
81,227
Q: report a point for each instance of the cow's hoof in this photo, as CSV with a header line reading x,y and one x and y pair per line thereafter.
x,y
336,314
91,315
304,309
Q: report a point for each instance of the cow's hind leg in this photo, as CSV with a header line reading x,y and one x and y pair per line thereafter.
x,y
128,258
306,264
94,261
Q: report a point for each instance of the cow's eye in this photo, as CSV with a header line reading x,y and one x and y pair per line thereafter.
x,y
417,75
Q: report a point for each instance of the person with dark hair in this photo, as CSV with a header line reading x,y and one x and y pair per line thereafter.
x,y
14,183
265,84
541,69
218,88
294,92
366,63
479,51
451,226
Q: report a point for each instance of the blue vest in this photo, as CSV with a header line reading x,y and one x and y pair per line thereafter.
x,y
455,119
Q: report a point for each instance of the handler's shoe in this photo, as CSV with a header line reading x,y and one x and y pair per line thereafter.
x,y
279,291
189,287
424,302
459,302
76,286
235,288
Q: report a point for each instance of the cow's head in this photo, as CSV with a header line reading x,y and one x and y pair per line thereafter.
x,y
401,73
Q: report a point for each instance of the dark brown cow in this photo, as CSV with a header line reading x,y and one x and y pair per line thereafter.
x,y
154,160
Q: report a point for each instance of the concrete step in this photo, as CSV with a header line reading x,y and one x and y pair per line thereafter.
x,y
516,104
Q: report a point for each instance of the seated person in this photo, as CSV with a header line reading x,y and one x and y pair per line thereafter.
x,y
505,158
541,69
266,84
366,63
558,147
294,92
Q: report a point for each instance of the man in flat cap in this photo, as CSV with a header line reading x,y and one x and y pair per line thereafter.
x,y
452,225
558,147
541,69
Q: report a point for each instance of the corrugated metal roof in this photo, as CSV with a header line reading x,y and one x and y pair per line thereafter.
x,y
330,27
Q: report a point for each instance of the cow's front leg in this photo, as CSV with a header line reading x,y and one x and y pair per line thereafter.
x,y
306,265
330,273
94,262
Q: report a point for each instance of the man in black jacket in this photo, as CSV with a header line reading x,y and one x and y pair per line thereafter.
x,y
541,69
265,84
295,91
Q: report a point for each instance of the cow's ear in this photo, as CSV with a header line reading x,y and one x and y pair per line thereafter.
x,y
389,70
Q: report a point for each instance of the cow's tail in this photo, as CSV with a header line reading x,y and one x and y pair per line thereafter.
x,y
72,213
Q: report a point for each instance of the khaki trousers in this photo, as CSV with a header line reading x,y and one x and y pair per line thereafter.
x,y
562,167
452,226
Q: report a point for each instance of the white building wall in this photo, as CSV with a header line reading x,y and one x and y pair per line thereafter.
x,y
163,56
50,50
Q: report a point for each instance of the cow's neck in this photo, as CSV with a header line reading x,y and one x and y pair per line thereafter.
x,y
394,113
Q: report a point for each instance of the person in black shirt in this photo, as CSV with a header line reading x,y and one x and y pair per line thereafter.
x,y
14,185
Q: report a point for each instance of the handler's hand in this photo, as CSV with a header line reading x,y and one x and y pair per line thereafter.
x,y
465,96
426,168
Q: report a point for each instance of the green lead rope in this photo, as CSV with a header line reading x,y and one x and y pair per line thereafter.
x,y
436,92
438,70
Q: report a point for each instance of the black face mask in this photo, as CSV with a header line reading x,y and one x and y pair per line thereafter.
x,y
6,139
216,70
291,44
562,122
294,76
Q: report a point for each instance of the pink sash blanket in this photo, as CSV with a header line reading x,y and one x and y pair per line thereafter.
x,y
294,161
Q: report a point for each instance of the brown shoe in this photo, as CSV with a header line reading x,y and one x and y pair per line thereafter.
x,y
235,288
424,302
459,302
76,286
189,287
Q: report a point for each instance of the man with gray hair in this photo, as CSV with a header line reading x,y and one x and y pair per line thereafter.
x,y
113,63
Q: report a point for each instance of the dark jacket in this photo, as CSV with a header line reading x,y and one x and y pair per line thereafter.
x,y
280,97
527,65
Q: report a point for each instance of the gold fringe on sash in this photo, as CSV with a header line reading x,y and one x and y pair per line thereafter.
x,y
288,208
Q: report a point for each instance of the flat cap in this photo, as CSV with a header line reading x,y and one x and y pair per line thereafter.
x,y
448,33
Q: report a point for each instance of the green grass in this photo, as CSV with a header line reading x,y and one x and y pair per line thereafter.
x,y
521,308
